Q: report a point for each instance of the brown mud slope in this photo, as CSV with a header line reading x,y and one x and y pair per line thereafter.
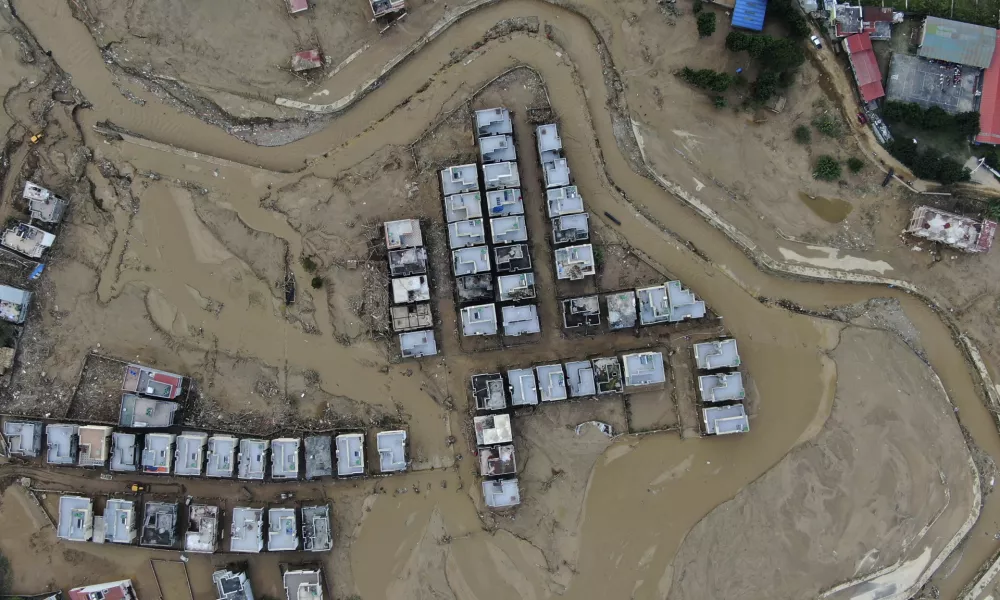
x,y
887,479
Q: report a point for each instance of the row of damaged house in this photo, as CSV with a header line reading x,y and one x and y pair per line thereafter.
x,y
384,13
721,390
641,307
194,526
410,312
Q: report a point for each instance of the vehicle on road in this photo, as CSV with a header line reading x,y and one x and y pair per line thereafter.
x,y
139,487
816,41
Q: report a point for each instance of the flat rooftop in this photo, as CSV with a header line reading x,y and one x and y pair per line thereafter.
x,y
317,536
497,460
581,312
520,320
721,387
303,584
415,344
564,201
14,304
221,456
408,317
202,533
568,229
231,585
643,368
391,447
683,303
501,493
247,531
575,262
549,142
497,148
492,429
722,420
76,519
158,453
159,525
963,233
469,261
350,454
927,83
523,387
404,233
61,443
285,458
621,310
654,306
459,179
125,450
460,207
580,377
551,382
493,121
407,262
513,258
501,175
717,354
282,530
24,438
464,234
489,391
607,375
516,287
406,290
119,521
253,459
502,203
319,456
43,204
137,411
190,455
147,381
556,173
479,320
27,240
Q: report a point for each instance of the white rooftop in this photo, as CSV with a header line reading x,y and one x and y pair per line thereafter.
x,y
350,454
24,438
493,121
564,201
124,452
285,458
717,354
410,289
654,306
221,456
954,230
414,344
282,530
76,518
580,377
43,204
520,320
515,287
575,262
119,521
492,429
403,234
158,453
253,455
683,303
501,175
721,420
549,142
643,368
523,387
61,443
501,493
721,387
28,240
479,320
469,261
459,207
567,229
551,382
391,450
502,203
190,454
509,229
497,148
14,304
556,173
247,531
459,179
202,533
303,584
462,234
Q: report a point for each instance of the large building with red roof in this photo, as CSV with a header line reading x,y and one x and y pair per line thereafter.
x,y
865,66
989,111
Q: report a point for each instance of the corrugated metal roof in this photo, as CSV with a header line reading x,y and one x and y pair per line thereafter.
x,y
865,66
989,112
955,42
749,14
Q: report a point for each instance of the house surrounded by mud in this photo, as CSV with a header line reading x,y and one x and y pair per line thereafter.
x,y
350,454
125,455
317,536
202,534
27,240
391,446
221,456
282,530
76,519
119,522
247,531
319,456
14,304
23,438
253,459
717,354
43,204
523,387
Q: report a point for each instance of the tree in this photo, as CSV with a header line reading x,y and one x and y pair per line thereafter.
x,y
706,24
828,125
317,282
698,6
308,263
803,135
707,79
855,164
765,86
966,124
720,102
827,168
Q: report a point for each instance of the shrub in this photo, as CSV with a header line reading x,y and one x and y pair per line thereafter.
x,y
698,6
828,125
720,102
308,264
787,11
777,54
707,79
803,135
928,163
855,164
706,24
317,282
827,168
765,86
963,125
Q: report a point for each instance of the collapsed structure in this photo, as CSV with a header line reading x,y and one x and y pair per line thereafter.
x,y
958,232
411,312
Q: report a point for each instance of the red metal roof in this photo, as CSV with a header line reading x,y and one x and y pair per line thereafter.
x,y
985,241
989,111
295,6
865,66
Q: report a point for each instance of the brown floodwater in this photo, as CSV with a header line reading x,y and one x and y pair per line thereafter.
x,y
623,521
831,210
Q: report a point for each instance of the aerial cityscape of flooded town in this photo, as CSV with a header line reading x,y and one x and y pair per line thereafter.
x,y
399,299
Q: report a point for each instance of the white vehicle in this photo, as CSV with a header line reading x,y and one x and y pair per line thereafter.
x,y
816,41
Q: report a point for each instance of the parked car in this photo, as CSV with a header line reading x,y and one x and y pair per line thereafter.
x,y
862,118
816,41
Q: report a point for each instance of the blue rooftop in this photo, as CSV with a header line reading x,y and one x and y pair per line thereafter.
x,y
749,14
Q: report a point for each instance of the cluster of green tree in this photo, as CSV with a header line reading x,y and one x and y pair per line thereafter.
x,y
827,168
708,79
788,11
992,156
963,125
981,12
706,24
778,58
928,163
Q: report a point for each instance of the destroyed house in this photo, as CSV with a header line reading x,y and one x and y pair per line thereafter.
x,y
140,412
722,420
607,375
516,287
159,525
509,229
961,233
319,456
717,354
549,142
463,234
551,383
459,179
253,459
575,262
493,121
202,533
114,590
385,8
501,493
411,316
406,262
520,320
295,6
285,458
27,240
61,443
282,530
497,148
462,207
643,368
317,535
523,388
350,454
303,584
76,519
43,204
391,446
307,60
563,201
151,382
513,258
406,290
14,304
469,261
415,344
247,531
158,453
232,585
24,438
621,310
581,312
503,203
402,234
479,320
474,288
93,445
876,21
492,430
124,452
501,175
221,456
488,390
721,387
497,461
571,228
580,379
119,521
189,457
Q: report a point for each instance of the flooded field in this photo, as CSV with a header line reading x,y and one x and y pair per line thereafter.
x,y
180,257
